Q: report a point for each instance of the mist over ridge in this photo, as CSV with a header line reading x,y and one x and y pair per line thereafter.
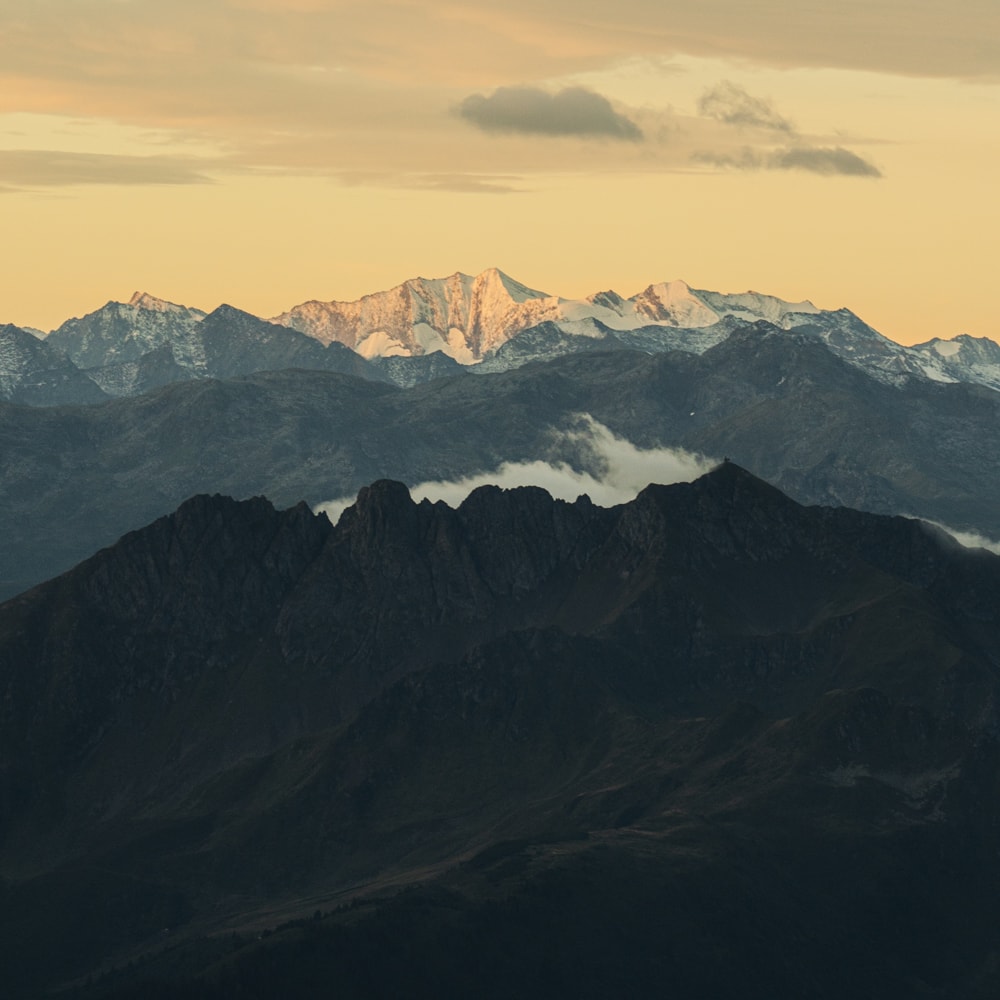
x,y
612,470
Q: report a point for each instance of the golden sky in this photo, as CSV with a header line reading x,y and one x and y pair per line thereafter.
x,y
265,152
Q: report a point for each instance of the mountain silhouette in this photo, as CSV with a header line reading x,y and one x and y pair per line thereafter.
x,y
710,738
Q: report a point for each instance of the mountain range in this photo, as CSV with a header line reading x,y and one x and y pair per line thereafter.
x,y
709,738
426,328
75,478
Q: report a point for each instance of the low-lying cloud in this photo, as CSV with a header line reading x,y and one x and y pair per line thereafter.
x,y
967,539
615,471
574,111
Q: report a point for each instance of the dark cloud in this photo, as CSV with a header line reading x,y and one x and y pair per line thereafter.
x,y
728,102
574,111
27,168
824,160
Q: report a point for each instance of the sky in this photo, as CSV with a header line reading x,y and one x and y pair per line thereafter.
x,y
267,152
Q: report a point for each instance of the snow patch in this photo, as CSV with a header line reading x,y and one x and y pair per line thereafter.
x,y
143,300
947,348
380,344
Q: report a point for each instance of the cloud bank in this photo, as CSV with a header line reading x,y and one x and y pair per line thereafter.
x,y
573,111
615,471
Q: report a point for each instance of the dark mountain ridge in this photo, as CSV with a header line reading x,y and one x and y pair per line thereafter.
x,y
745,733
779,403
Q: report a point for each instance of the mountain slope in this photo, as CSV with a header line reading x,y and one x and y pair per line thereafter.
x,y
779,403
681,717
462,316
34,372
131,348
125,331
963,358
494,323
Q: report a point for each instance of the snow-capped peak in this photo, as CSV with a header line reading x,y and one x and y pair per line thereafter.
x,y
675,302
143,300
755,305
517,291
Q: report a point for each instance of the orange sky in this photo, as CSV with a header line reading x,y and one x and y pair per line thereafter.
x,y
264,152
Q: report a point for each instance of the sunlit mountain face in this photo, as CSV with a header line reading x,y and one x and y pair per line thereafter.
x,y
424,329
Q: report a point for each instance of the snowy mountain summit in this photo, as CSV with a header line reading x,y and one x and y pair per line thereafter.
x,y
428,328
463,316
125,331
468,317
495,323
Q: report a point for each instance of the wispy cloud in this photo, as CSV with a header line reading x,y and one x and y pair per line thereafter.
x,y
470,183
28,168
573,111
967,539
730,103
609,469
827,161
822,160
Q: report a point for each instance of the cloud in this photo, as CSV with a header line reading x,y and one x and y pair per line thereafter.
x,y
471,183
574,111
730,103
967,539
468,183
27,168
614,470
823,160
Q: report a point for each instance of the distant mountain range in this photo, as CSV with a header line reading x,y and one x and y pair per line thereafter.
x,y
709,740
424,329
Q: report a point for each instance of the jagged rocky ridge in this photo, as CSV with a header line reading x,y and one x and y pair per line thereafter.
x,y
659,741
778,402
